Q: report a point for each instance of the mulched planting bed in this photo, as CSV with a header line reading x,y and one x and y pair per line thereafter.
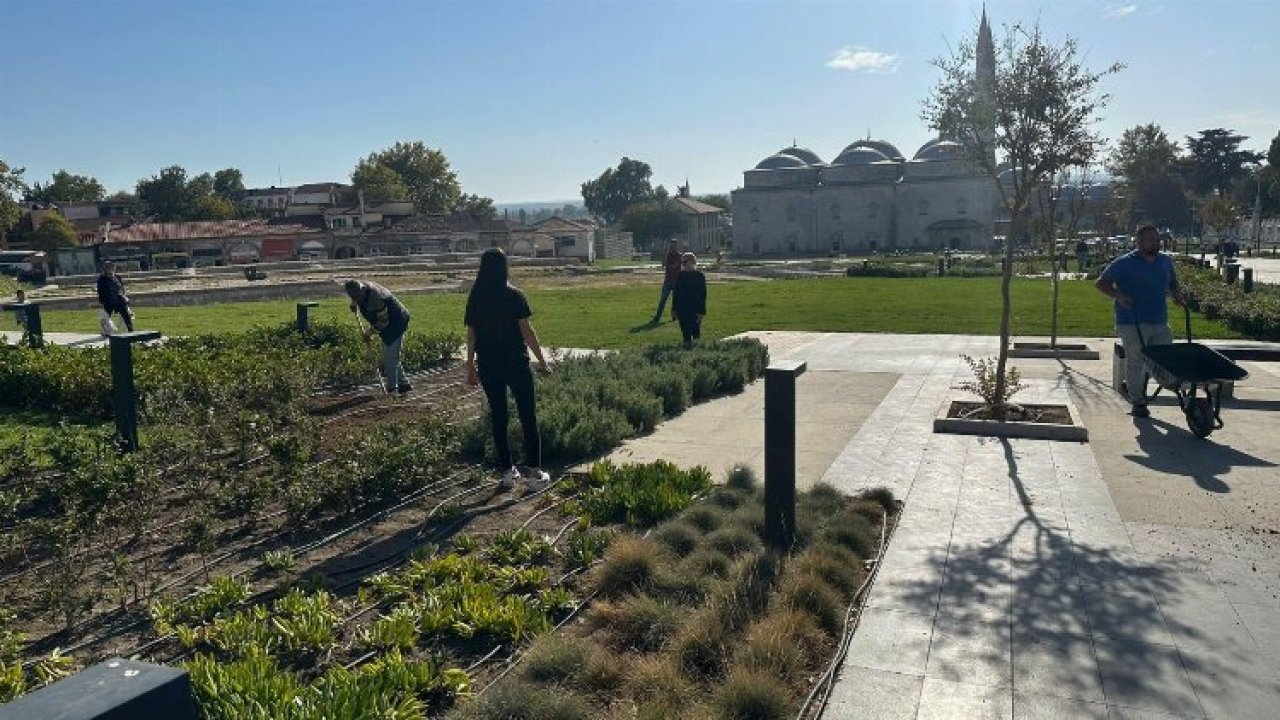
x,y
1031,413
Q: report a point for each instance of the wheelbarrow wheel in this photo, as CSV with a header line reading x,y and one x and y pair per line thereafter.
x,y
1200,417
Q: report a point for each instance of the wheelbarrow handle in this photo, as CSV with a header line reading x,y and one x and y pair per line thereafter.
x,y
1186,311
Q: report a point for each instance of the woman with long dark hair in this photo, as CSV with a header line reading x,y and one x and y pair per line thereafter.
x,y
499,338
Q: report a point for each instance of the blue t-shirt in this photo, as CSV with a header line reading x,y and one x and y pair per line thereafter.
x,y
1146,282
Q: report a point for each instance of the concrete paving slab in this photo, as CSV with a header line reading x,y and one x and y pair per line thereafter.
x,y
1059,665
891,640
867,693
1029,706
970,651
1146,676
946,700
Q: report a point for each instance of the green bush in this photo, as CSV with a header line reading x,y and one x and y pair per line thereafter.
x,y
1255,315
639,495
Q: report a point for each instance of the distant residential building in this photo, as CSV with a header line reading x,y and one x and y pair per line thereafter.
x,y
703,230
570,238
321,194
267,201
220,242
426,234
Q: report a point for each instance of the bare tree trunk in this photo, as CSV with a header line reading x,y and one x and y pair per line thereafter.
x,y
1006,277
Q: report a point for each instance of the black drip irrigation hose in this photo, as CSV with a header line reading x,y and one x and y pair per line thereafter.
x,y
821,691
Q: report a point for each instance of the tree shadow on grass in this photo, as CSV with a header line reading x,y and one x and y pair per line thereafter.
x,y
648,326
1173,450
1081,609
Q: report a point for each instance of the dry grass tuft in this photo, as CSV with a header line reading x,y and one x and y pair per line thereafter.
x,y
707,562
750,694
840,568
703,517
576,662
741,477
656,684
680,537
700,649
519,700
785,643
639,622
734,540
811,594
630,566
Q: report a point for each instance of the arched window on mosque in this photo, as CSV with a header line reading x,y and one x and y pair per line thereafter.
x,y
922,207
962,205
791,212
755,214
835,211
873,209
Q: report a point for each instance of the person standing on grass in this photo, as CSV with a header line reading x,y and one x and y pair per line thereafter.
x,y
499,338
670,269
689,299
1139,281
1082,255
112,298
388,317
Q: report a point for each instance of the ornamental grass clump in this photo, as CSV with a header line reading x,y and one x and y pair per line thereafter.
x,y
786,644
679,537
630,566
637,622
751,694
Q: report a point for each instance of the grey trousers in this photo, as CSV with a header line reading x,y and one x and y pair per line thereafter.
x,y
1135,375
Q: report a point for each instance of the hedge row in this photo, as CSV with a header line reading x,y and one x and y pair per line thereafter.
x,y
591,404
1255,315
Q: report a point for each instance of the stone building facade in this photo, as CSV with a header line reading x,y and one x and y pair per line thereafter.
x,y
870,197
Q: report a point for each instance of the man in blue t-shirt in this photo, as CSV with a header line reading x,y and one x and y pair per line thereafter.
x,y
1139,282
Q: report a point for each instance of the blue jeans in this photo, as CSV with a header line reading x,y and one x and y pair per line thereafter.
x,y
392,370
662,301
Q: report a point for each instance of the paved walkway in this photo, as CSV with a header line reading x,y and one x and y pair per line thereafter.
x,y
1135,576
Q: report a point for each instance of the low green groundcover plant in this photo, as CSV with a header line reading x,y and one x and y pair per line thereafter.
x,y
591,404
262,369
675,634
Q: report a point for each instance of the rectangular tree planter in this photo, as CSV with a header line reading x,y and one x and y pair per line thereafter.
x,y
1075,432
1065,351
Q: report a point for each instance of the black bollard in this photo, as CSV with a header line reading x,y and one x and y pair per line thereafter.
x,y
31,321
304,320
1247,284
780,453
124,396
1232,272
942,267
114,689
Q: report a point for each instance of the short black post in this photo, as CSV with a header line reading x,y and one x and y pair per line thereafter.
x,y
124,396
304,320
114,689
1231,271
1248,280
30,320
780,453
942,267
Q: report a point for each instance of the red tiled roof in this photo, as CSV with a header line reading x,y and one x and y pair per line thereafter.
x,y
199,230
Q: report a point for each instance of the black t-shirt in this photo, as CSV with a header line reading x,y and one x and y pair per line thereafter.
x,y
496,319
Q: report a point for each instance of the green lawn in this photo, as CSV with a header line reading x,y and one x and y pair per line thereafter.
x,y
611,317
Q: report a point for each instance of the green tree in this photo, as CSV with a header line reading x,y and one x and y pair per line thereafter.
x,y
1037,117
379,183
1217,161
1143,152
55,232
424,175
11,188
228,183
476,206
650,221
617,189
169,195
1219,213
214,207
720,200
1273,152
65,187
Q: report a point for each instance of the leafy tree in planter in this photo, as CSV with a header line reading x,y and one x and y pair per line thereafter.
x,y
55,232
66,187
1032,107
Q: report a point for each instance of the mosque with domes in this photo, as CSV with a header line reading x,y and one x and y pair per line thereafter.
x,y
870,197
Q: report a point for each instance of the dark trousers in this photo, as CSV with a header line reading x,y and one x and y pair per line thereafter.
x,y
667,287
690,327
519,377
125,314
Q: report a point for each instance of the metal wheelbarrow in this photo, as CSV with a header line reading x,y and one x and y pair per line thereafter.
x,y
1186,369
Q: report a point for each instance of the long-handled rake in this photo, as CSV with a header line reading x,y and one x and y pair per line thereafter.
x,y
382,380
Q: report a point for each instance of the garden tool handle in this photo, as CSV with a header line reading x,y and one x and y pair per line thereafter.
x,y
1187,312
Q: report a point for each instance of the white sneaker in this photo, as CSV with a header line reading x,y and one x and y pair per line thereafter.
x,y
509,478
539,481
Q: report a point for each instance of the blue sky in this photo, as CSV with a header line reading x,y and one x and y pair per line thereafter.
x,y
528,99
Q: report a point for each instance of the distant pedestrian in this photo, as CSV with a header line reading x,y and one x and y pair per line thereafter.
x,y
689,299
112,298
499,338
389,318
1082,255
1139,281
670,269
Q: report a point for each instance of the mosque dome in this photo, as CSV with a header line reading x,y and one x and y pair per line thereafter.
x,y
887,149
940,150
808,156
781,161
859,155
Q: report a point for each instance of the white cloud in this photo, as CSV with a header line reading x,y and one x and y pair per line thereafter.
x,y
1119,11
856,58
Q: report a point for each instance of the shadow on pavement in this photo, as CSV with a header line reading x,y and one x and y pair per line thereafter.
x,y
1172,450
1083,615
